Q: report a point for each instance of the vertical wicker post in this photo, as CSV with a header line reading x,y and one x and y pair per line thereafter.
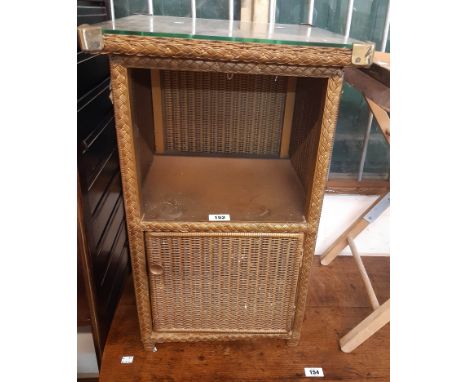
x,y
123,123
315,198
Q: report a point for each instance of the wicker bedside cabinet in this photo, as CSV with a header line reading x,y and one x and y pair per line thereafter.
x,y
231,120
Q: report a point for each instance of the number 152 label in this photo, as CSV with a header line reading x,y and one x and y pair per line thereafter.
x,y
219,217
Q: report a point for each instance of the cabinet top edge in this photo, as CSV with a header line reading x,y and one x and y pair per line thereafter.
x,y
142,34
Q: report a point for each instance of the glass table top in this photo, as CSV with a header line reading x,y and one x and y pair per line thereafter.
x,y
226,30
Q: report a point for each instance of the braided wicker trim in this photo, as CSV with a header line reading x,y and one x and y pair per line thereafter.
x,y
226,51
225,67
327,134
191,337
131,197
225,227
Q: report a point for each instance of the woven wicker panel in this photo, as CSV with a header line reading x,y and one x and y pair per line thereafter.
x,y
217,113
310,94
230,283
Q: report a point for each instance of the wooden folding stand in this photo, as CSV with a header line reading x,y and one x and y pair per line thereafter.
x,y
374,84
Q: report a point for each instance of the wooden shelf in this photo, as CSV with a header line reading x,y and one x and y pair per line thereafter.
x,y
188,188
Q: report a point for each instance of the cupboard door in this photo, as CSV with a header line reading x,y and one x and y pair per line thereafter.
x,y
223,282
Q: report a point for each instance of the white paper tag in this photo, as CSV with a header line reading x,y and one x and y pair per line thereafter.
x,y
127,359
219,217
313,371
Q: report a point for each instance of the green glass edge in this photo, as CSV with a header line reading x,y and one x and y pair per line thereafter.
x,y
223,38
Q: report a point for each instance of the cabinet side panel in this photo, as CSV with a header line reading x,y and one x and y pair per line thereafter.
x,y
130,184
142,118
316,191
307,118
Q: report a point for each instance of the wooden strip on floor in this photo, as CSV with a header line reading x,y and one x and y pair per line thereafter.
x,y
337,302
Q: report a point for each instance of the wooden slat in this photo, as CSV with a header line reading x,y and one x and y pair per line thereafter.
x,y
288,117
246,10
92,109
369,87
380,68
382,118
260,11
157,112
103,250
84,258
352,186
92,161
342,242
103,213
112,262
83,310
375,321
362,270
382,59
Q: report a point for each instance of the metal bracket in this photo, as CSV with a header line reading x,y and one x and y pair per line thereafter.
x,y
378,209
90,38
363,54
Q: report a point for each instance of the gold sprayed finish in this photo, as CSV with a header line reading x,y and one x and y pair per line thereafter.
x,y
146,53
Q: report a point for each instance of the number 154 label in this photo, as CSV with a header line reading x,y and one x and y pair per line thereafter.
x,y
313,372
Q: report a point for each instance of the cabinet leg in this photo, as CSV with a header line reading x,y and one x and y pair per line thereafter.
x,y
293,342
149,346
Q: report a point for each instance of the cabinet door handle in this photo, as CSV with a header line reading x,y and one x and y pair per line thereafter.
x,y
156,269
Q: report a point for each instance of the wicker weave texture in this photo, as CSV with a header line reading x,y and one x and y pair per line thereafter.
x,y
236,283
226,51
209,337
225,67
227,114
246,227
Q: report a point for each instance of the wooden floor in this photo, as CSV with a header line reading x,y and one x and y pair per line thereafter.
x,y
337,302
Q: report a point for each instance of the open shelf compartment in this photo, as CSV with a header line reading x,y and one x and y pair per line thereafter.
x,y
185,188
220,143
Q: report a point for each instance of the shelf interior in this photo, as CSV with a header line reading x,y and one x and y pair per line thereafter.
x,y
189,188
